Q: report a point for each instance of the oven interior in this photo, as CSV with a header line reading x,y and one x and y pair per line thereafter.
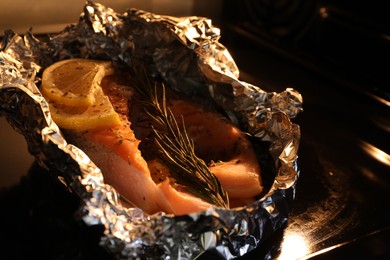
x,y
335,53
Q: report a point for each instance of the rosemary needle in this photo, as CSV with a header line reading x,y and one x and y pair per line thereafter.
x,y
176,148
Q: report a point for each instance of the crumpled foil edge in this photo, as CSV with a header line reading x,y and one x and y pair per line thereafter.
x,y
129,233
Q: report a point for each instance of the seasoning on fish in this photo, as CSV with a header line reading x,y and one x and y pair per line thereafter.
x,y
122,140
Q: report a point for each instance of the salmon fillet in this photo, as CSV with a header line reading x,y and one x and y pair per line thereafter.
x,y
125,153
222,145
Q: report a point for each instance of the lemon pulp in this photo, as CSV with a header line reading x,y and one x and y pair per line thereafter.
x,y
76,99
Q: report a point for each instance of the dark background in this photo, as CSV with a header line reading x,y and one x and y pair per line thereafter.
x,y
336,54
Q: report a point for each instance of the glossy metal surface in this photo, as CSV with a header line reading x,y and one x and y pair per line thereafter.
x,y
342,198
342,195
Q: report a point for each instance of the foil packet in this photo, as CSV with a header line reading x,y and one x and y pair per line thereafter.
x,y
186,53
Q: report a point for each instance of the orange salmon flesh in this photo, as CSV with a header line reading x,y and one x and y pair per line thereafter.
x,y
125,153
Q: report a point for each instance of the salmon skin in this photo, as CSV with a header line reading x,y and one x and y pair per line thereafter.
x,y
125,155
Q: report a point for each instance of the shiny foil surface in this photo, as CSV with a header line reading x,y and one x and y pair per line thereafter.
x,y
186,53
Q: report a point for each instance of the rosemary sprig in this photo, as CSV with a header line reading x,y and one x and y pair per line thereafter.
x,y
176,148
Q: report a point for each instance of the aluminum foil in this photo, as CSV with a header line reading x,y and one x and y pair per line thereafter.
x,y
187,54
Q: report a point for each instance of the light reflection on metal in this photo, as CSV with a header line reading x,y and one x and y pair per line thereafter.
x,y
294,246
381,122
323,251
376,153
361,240
372,177
380,99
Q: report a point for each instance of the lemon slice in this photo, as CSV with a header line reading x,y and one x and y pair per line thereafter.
x,y
76,99
73,82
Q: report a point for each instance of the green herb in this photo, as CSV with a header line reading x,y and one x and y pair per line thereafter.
x,y
176,149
